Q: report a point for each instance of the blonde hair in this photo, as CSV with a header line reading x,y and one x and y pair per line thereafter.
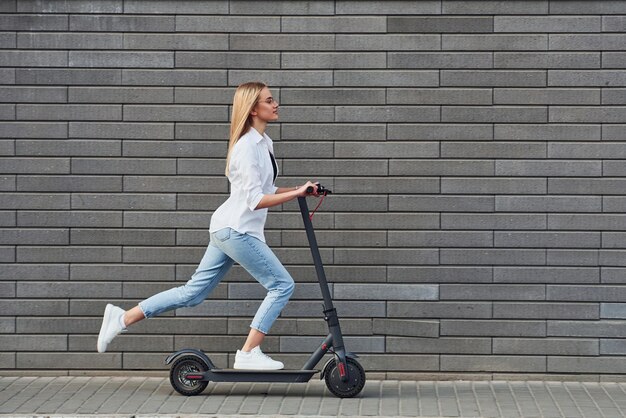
x,y
246,97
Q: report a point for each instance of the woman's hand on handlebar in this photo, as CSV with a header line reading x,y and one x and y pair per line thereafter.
x,y
302,189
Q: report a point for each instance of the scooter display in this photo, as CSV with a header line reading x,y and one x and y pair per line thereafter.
x,y
191,370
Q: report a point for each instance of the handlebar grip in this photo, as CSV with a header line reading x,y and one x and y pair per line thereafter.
x,y
320,189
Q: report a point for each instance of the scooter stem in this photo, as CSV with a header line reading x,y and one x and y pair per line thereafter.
x,y
315,252
330,313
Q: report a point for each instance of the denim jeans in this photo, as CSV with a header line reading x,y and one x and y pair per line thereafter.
x,y
225,247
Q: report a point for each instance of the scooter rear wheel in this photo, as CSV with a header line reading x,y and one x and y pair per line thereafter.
x,y
347,389
178,371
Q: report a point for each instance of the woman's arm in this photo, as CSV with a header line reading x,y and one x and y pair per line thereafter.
x,y
285,194
286,189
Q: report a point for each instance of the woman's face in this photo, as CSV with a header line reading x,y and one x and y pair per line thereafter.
x,y
266,108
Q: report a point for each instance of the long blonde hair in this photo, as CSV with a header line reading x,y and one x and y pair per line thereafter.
x,y
246,96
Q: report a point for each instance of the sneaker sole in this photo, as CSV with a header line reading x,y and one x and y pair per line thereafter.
x,y
238,367
105,322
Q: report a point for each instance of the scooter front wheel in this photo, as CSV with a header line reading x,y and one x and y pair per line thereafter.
x,y
179,371
347,389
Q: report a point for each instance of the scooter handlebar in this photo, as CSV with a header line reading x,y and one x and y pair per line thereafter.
x,y
320,190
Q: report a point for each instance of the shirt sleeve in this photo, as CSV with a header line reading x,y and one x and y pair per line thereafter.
x,y
248,165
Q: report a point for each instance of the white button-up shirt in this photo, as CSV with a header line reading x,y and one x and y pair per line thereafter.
x,y
251,176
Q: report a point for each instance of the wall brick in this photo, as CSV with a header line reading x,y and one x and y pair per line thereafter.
x,y
125,130
545,310
444,345
33,342
36,307
34,58
7,75
121,95
550,346
113,23
69,40
182,7
33,254
121,59
121,272
513,328
32,22
547,24
67,361
88,236
225,23
494,7
34,201
612,346
104,6
400,362
601,328
67,147
410,328
606,364
386,291
73,76
438,274
17,271
182,41
124,343
132,77
439,309
355,344
7,325
63,218
68,290
468,363
586,293
69,183
34,236
439,24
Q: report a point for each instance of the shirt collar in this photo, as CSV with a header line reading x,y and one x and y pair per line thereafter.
x,y
257,135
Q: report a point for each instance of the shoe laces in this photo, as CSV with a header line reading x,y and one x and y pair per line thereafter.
x,y
262,354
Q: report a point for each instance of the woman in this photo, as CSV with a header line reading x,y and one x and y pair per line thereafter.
x,y
236,233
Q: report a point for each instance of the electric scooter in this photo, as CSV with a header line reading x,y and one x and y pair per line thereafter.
x,y
191,370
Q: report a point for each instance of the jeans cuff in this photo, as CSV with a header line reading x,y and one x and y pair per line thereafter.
x,y
257,328
143,310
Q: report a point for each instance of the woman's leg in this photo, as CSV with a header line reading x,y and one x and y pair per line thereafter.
x,y
258,259
255,338
213,267
133,315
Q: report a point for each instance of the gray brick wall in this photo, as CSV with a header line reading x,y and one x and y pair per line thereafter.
x,y
476,149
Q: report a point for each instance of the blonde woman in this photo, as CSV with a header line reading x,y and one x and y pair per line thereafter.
x,y
236,233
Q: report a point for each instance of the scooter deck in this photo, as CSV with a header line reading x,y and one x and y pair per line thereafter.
x,y
248,375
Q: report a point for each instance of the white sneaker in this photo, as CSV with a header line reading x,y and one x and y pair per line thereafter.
x,y
255,359
111,326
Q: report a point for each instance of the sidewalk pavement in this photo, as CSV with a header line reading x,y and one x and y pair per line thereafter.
x,y
123,396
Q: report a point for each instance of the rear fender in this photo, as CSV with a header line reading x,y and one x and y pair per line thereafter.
x,y
191,352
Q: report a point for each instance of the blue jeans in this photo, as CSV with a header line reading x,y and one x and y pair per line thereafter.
x,y
225,247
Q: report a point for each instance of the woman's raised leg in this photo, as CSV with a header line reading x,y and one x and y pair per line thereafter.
x,y
213,267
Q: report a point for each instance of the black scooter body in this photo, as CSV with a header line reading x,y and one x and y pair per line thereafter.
x,y
337,371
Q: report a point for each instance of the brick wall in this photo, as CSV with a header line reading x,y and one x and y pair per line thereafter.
x,y
476,149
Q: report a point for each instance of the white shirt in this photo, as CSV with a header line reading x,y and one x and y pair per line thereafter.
x,y
251,176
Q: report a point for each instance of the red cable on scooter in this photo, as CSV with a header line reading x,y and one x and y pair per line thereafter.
x,y
318,205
